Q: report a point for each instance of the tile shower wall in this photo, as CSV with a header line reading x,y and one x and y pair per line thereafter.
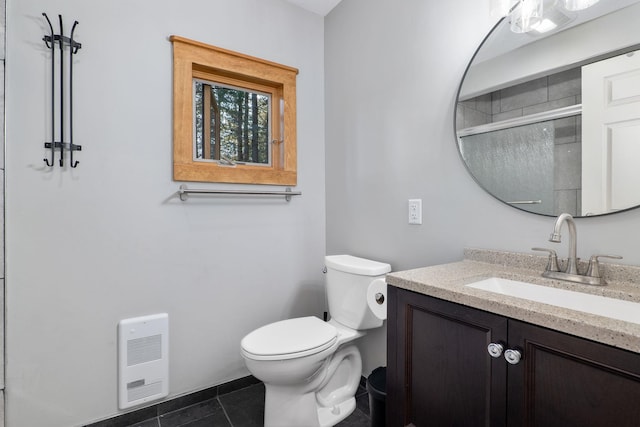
x,y
542,94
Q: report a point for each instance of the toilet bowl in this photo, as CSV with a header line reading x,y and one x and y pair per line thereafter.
x,y
310,368
307,368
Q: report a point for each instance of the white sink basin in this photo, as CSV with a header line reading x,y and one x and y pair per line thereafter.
x,y
588,303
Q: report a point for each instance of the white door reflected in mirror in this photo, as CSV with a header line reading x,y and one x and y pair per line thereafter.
x,y
611,134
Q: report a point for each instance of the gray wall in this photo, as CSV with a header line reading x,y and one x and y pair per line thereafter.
x,y
109,240
392,73
2,138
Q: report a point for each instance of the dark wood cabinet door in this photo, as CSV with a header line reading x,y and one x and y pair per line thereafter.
x,y
439,371
568,381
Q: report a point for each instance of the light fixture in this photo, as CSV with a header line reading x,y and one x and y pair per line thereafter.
x,y
553,18
545,25
526,15
574,5
523,14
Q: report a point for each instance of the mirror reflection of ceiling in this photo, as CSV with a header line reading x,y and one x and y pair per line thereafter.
x,y
500,43
533,120
506,58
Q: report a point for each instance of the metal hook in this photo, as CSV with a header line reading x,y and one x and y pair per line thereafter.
x,y
53,66
61,31
74,46
51,27
60,39
72,49
50,42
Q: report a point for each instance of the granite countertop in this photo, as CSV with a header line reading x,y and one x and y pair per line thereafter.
x,y
447,282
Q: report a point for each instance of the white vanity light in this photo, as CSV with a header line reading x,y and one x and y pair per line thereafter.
x,y
574,5
526,15
553,18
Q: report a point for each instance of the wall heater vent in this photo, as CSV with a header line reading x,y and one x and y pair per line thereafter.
x,y
143,359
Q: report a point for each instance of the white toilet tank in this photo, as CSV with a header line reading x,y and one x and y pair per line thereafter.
x,y
347,280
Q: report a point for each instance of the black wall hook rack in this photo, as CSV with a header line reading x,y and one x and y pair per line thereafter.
x,y
60,41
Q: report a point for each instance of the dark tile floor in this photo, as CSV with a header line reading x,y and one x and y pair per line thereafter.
x,y
241,408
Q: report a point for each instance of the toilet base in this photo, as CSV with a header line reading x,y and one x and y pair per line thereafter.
x,y
329,417
323,400
286,410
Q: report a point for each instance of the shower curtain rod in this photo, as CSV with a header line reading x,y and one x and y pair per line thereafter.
x,y
558,113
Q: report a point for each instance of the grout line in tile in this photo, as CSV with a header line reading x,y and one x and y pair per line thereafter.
x,y
224,410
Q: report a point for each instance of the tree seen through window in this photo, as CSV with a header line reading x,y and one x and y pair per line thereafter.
x,y
231,124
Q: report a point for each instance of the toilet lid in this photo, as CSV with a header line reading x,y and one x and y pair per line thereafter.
x,y
289,339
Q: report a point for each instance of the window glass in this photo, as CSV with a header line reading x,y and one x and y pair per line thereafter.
x,y
232,125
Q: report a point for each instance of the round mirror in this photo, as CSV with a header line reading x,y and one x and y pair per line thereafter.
x,y
548,120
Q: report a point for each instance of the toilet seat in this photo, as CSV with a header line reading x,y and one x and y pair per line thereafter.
x,y
289,339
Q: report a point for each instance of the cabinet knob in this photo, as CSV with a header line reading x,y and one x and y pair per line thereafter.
x,y
513,356
495,349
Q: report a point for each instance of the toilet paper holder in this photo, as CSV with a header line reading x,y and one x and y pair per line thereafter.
x,y
379,298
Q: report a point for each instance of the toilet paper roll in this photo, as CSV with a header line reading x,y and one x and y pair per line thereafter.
x,y
377,298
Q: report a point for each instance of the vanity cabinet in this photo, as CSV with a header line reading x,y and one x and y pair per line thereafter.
x,y
439,372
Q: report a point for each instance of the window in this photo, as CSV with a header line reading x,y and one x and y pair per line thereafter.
x,y
231,124
234,117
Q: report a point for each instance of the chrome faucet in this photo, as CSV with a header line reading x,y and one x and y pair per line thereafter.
x,y
591,277
572,265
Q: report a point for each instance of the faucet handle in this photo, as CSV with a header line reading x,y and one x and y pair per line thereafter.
x,y
594,266
552,265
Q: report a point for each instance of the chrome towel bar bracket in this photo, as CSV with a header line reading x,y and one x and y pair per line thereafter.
x,y
184,192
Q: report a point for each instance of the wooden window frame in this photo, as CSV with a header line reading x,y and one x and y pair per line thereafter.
x,y
192,59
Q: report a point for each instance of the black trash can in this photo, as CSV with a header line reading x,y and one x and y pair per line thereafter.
x,y
377,388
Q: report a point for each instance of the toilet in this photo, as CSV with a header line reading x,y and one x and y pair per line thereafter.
x,y
310,368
